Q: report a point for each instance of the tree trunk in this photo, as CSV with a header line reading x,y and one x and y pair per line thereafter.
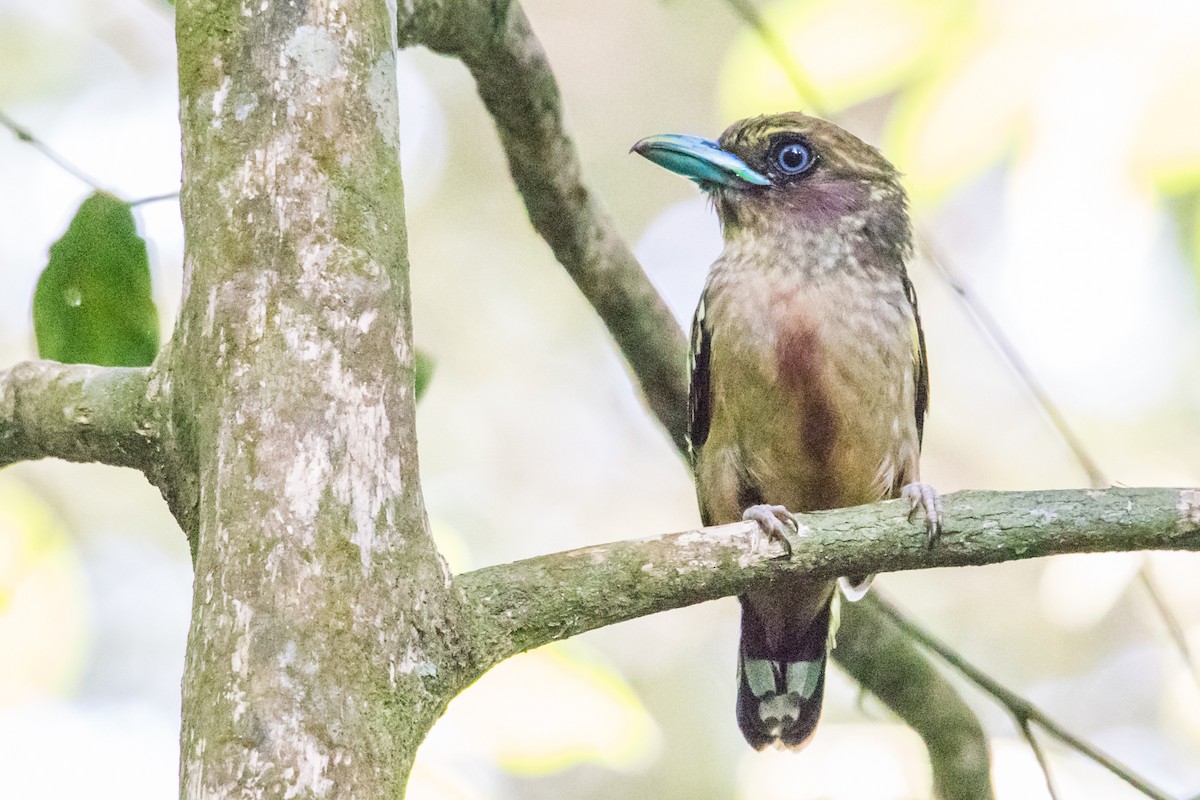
x,y
312,665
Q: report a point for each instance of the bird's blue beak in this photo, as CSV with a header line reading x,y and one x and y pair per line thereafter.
x,y
702,160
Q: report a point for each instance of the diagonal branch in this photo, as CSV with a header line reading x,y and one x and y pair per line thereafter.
x,y
80,412
518,88
879,654
530,603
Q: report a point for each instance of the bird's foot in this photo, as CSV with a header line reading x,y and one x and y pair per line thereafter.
x,y
773,522
926,498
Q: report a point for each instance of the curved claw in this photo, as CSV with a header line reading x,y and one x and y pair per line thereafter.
x,y
926,498
773,521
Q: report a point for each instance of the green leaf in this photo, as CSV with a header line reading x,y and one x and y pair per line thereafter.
x,y
93,303
425,368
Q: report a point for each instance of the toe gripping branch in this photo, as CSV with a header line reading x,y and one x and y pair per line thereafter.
x,y
773,522
925,497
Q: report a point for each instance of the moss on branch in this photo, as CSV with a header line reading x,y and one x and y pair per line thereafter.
x,y
529,603
79,412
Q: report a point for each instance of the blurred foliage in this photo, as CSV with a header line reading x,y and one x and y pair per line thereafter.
x,y
1195,240
973,80
539,714
895,42
42,602
559,706
1184,211
93,303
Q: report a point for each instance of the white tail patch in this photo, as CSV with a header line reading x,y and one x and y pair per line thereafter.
x,y
855,591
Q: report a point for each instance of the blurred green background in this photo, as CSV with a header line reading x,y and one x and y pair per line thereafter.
x,y
1052,150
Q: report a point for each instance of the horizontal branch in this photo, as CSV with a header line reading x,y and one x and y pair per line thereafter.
x,y
79,412
530,603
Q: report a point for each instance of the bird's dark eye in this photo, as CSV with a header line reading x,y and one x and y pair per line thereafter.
x,y
794,158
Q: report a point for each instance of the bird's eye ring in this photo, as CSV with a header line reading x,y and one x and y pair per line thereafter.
x,y
794,158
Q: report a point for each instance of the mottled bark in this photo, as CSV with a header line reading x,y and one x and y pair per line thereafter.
x,y
78,412
325,639
529,603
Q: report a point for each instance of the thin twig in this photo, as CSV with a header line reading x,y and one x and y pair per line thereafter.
x,y
155,198
994,333
23,134
1174,629
779,51
1027,731
1018,706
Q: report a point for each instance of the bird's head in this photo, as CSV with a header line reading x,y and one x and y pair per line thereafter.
x,y
781,172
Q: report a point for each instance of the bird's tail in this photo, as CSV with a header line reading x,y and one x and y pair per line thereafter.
x,y
781,684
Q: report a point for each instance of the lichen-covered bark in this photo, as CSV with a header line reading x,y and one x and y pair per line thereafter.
x,y
529,603
79,412
324,633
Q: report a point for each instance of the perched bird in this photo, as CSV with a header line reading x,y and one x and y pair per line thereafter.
x,y
808,377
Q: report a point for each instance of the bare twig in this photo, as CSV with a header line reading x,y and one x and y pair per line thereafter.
x,y
156,198
994,333
1034,745
1022,710
23,134
1174,629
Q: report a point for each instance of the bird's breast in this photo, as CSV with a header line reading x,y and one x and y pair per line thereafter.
x,y
812,389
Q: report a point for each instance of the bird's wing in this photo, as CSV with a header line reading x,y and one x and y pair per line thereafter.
x,y
699,383
920,361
